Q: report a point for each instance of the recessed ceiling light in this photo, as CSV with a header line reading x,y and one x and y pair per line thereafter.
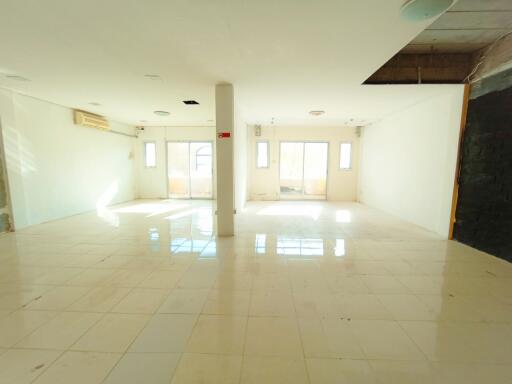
x,y
17,78
316,113
420,10
161,113
190,102
94,103
152,76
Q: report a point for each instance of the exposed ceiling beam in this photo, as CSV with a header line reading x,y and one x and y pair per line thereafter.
x,y
410,68
493,59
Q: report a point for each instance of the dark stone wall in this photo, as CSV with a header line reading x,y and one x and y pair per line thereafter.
x,y
484,208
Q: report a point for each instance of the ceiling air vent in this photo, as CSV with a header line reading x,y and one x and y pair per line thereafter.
x,y
190,102
91,120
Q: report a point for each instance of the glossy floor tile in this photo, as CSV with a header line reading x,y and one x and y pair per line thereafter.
x,y
79,367
136,368
146,293
24,365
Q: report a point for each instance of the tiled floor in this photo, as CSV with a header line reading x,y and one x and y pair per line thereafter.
x,y
307,292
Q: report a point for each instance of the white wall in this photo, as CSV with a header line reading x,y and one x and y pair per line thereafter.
x,y
152,182
408,160
240,163
341,184
57,169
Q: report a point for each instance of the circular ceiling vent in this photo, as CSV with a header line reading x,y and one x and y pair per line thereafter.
x,y
420,10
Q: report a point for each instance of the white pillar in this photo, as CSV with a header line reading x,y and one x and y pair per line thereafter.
x,y
224,105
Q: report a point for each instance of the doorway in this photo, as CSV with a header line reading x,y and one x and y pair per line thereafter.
x,y
303,170
190,169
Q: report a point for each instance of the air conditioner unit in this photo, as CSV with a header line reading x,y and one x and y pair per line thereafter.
x,y
92,120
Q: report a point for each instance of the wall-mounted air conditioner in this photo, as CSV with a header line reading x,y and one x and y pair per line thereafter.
x,y
92,120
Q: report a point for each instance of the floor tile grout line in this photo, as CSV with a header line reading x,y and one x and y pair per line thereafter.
x,y
49,366
127,349
297,323
240,376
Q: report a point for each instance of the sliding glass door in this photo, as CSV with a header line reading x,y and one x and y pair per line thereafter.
x,y
190,170
201,170
303,170
315,169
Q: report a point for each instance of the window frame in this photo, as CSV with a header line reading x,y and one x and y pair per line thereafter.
x,y
145,153
198,155
350,158
268,153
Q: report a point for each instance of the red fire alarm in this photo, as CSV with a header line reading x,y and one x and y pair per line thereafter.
x,y
224,135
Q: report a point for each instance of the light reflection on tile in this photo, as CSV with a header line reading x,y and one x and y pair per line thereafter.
x,y
314,292
290,246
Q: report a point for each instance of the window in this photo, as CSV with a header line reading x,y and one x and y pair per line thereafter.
x,y
262,154
204,159
150,154
345,155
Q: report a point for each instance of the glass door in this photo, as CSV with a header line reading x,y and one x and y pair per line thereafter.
x,y
291,169
303,170
190,170
178,170
201,170
315,169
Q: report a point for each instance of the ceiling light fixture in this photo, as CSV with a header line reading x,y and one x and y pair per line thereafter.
x,y
161,113
420,10
17,78
316,113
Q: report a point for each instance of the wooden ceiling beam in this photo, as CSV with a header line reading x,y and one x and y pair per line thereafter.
x,y
412,68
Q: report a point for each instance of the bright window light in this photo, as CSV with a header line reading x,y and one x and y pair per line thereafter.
x,y
287,246
339,250
152,209
345,155
260,243
210,251
262,154
150,154
299,209
154,235
343,216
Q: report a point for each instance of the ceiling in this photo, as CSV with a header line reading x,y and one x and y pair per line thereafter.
x,y
468,26
284,57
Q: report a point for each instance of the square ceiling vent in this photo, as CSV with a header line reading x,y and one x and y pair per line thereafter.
x,y
190,102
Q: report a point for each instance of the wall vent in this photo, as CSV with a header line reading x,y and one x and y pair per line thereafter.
x,y
91,120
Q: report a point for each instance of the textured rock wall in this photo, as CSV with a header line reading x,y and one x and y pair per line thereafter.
x,y
484,209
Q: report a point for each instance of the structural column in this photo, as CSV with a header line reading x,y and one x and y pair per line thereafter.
x,y
224,105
